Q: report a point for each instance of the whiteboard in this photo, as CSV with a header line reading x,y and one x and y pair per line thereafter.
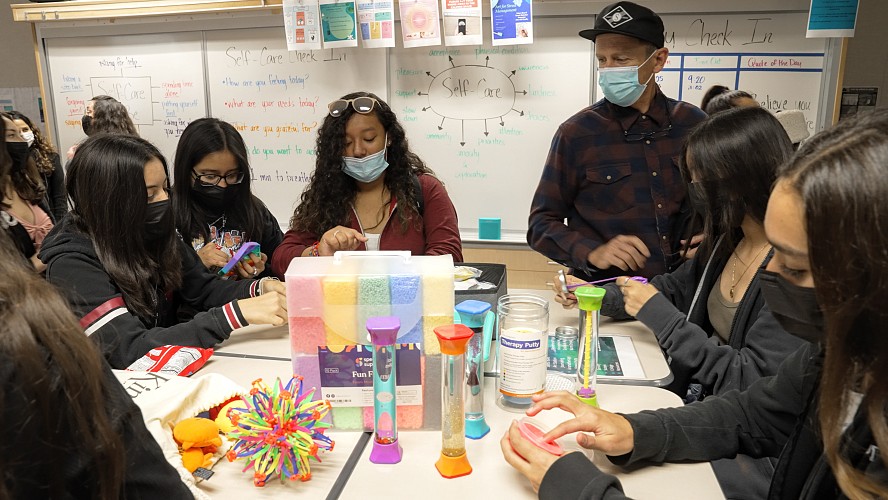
x,y
483,117
158,77
765,54
278,99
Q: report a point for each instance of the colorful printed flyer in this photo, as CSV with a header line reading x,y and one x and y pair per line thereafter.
x,y
338,24
347,375
420,23
511,21
462,22
376,19
301,24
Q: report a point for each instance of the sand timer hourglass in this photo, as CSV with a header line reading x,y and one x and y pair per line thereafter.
x,y
453,340
589,302
383,332
476,315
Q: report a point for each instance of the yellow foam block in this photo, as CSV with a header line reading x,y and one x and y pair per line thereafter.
x,y
340,311
430,345
437,295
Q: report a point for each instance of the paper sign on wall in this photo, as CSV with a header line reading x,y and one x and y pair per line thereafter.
x,y
302,24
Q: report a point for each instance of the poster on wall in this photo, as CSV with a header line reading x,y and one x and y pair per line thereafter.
x,y
420,23
511,21
301,25
462,22
338,24
858,100
376,19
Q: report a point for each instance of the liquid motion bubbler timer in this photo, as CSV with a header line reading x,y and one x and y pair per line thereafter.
x,y
589,301
383,332
453,340
476,315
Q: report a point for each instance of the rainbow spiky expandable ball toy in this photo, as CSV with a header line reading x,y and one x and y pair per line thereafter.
x,y
279,431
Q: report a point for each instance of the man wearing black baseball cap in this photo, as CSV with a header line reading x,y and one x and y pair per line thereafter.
x,y
612,171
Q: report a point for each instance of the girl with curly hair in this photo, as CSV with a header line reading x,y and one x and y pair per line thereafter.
x,y
368,191
22,210
48,164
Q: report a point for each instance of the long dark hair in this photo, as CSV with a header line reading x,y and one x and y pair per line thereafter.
x,y
42,150
26,181
841,176
53,379
326,200
110,117
736,155
201,138
106,184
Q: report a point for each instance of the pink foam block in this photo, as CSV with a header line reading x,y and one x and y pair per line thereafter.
x,y
304,296
306,334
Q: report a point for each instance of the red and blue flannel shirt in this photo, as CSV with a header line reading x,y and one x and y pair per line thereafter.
x,y
611,171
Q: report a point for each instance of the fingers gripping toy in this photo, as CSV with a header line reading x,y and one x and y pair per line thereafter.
x,y
243,253
279,430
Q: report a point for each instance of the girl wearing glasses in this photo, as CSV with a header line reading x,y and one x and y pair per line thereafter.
x,y
125,269
215,210
368,191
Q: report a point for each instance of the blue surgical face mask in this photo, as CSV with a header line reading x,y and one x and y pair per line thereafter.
x,y
620,85
368,168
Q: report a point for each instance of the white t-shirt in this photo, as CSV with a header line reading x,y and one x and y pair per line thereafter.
x,y
372,241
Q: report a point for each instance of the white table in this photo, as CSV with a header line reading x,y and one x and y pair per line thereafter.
x,y
491,477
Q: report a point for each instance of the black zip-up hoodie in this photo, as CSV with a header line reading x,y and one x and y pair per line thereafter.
x,y
74,267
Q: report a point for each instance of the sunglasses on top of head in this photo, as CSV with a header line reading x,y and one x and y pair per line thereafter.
x,y
361,105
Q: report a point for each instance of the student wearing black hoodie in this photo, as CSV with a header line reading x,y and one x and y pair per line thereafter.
x,y
823,413
124,268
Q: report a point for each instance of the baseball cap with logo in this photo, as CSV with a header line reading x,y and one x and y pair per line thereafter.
x,y
630,19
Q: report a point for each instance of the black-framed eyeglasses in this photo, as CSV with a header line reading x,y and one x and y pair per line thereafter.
x,y
362,105
213,179
641,136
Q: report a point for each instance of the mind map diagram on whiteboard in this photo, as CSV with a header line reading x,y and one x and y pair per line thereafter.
x,y
472,92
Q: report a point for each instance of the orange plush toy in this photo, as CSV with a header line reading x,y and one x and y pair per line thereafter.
x,y
198,438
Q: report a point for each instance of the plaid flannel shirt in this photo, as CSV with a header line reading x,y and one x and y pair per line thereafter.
x,y
613,170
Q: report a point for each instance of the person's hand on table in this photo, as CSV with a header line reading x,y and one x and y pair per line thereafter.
x,y
635,294
526,457
610,433
623,251
340,238
568,301
270,308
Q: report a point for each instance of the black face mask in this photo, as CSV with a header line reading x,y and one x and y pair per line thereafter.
x,y
214,198
795,307
18,151
158,221
86,123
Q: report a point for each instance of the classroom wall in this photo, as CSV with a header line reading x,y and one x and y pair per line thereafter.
x,y
866,64
16,52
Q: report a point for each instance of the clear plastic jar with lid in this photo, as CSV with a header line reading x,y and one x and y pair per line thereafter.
x,y
522,332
